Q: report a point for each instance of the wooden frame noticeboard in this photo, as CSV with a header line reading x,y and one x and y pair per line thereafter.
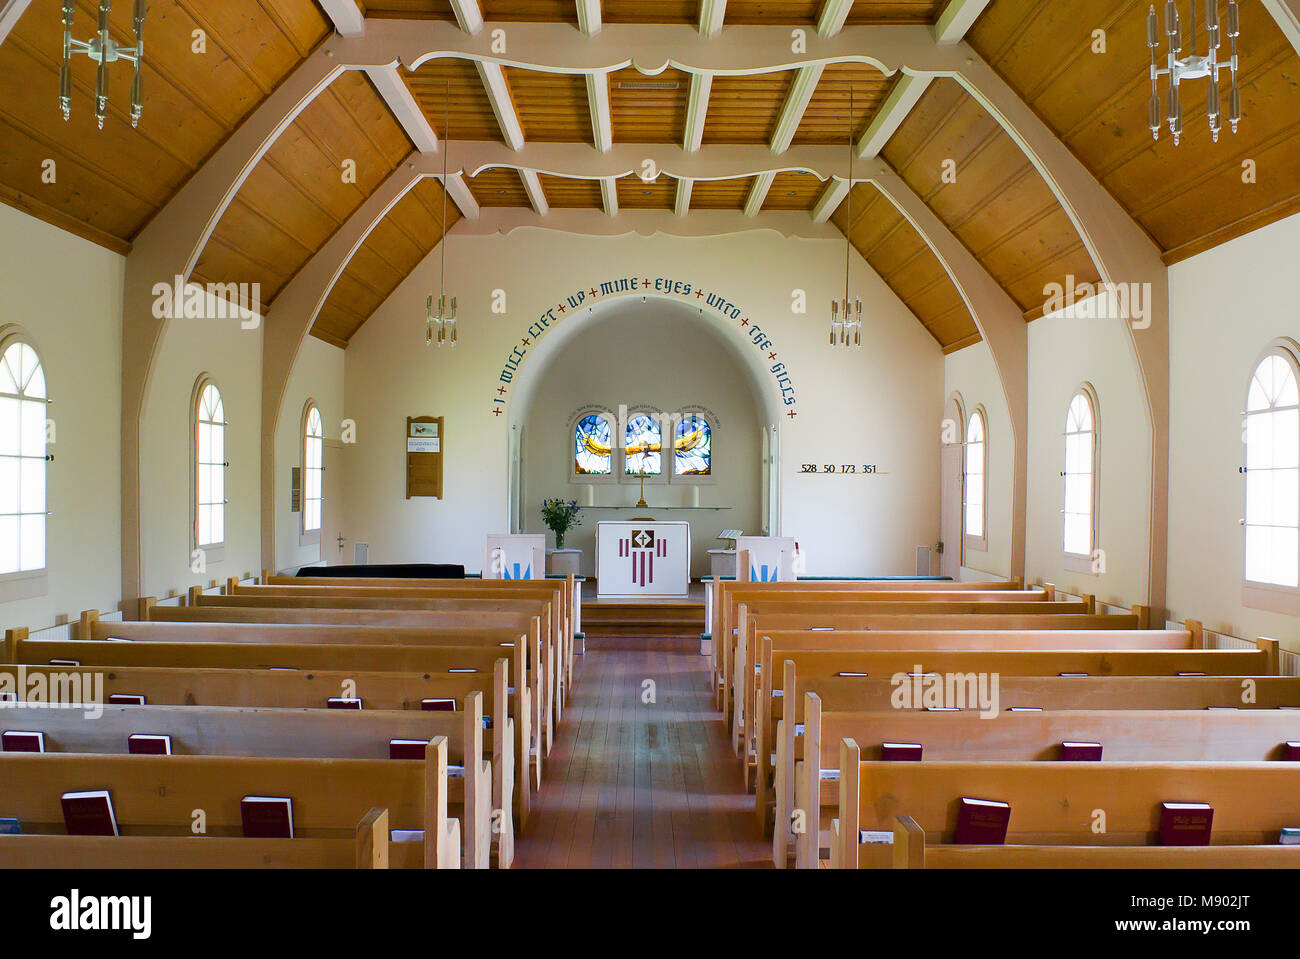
x,y
424,439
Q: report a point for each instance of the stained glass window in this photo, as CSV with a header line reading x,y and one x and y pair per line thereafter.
x,y
23,440
643,455
693,447
210,463
592,442
1273,474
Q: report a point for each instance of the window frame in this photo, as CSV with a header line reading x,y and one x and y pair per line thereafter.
x,y
593,479
30,583
213,552
620,433
709,417
310,537
1273,597
979,543
1079,562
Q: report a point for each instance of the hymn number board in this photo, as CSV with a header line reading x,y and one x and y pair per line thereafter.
x,y
424,439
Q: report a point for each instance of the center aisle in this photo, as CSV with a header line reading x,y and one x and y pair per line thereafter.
x,y
642,776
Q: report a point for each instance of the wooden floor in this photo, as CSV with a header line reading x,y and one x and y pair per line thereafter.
x,y
634,784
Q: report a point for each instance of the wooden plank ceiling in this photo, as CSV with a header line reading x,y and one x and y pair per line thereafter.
x,y
1190,197
111,183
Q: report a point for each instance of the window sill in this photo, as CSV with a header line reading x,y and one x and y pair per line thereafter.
x,y
215,553
311,538
1077,563
978,543
25,585
1274,599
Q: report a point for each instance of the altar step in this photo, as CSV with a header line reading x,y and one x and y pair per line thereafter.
x,y
663,622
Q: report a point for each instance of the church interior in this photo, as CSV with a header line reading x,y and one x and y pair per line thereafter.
x,y
766,434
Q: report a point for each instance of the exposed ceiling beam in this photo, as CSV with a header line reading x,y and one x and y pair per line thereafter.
x,y
536,195
1285,12
830,200
461,195
758,194
712,14
11,11
796,102
589,17
469,15
713,162
406,109
697,110
958,17
902,98
682,202
602,123
831,19
503,105
609,195
701,223
346,16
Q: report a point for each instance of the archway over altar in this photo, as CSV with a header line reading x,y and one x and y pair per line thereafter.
x,y
653,357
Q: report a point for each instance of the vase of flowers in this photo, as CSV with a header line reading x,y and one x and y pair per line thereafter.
x,y
560,516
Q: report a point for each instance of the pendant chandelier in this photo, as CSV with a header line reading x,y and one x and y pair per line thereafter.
x,y
440,327
847,331
103,50
1193,66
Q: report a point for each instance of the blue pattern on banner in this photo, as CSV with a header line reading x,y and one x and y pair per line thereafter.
x,y
665,286
526,574
768,574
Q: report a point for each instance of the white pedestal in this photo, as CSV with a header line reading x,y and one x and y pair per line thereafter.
x,y
722,562
563,561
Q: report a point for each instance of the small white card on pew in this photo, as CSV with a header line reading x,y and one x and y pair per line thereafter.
x,y
408,835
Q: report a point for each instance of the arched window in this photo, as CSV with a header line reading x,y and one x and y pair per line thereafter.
x,y
593,445
644,442
975,485
693,446
210,466
1273,472
1081,474
22,459
313,469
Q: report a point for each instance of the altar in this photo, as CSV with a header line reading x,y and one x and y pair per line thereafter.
x,y
639,560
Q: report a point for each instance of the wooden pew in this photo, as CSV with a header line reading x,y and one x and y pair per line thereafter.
x,y
506,619
726,594
369,850
1126,736
1056,804
758,727
158,796
566,590
910,851
381,693
523,670
476,789
342,658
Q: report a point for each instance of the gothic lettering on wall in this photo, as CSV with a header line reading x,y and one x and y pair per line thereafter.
x,y
661,287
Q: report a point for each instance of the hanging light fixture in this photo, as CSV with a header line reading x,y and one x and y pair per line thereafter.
x,y
848,330
441,327
103,50
1193,66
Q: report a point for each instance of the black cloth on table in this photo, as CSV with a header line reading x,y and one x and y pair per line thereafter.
x,y
389,571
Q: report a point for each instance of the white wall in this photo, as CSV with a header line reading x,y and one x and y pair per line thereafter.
x,y
877,405
1065,351
67,294
1228,304
317,376
971,373
232,356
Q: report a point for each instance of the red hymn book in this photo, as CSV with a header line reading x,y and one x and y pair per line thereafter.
x,y
1185,823
982,822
